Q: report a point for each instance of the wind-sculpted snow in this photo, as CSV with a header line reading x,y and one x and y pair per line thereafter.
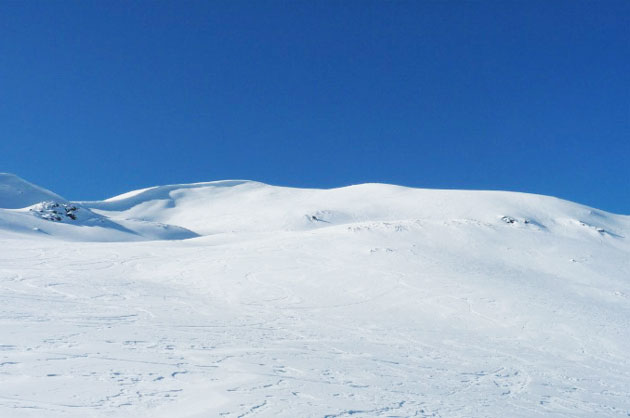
x,y
365,301
128,200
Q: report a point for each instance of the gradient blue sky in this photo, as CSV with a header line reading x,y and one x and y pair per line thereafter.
x,y
102,97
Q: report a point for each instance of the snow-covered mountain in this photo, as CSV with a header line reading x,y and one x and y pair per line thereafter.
x,y
236,298
18,193
29,209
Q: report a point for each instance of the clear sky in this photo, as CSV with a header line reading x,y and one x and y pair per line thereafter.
x,y
102,97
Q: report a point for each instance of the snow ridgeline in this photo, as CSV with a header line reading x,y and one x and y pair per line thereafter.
x,y
191,210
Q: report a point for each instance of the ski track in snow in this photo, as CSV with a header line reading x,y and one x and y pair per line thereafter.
x,y
426,317
244,330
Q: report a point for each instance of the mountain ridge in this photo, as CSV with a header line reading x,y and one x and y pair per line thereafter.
x,y
206,208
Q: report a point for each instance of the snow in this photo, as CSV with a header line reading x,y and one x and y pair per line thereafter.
x,y
54,217
369,300
18,193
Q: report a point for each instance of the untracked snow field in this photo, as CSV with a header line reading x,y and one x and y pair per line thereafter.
x,y
365,301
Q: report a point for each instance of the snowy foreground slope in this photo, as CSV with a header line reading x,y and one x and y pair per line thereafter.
x,y
236,298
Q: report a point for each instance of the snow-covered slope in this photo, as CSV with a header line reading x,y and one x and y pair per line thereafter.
x,y
18,193
246,206
369,300
32,210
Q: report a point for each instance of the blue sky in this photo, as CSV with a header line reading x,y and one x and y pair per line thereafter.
x,y
99,98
